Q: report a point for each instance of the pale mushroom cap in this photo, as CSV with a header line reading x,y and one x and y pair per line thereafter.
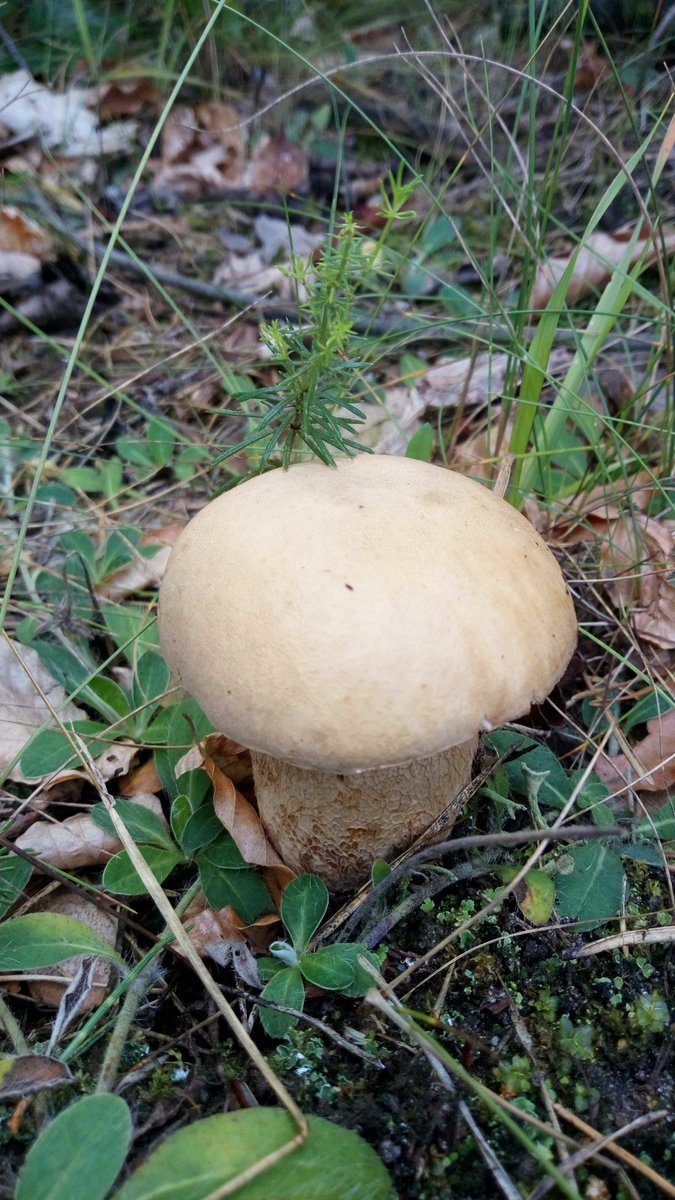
x,y
355,617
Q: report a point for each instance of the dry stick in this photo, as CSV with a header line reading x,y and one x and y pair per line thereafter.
x,y
631,937
618,1151
573,833
502,1179
206,979
600,1143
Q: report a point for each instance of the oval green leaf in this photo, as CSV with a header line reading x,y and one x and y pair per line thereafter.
x,y
303,908
593,891
43,939
328,968
120,875
142,824
287,988
535,894
80,1153
332,1164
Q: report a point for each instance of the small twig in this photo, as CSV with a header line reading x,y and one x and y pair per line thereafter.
x,y
503,1181
366,899
618,1151
601,1143
301,1015
631,937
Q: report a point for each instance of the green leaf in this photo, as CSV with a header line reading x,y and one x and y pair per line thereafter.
x,y
287,988
114,702
14,875
327,968
134,451
656,704
661,823
379,871
151,680
593,890
197,786
592,797
351,952
120,875
86,479
129,624
421,444
80,1153
303,907
244,890
202,829
535,894
51,750
161,441
644,854
42,939
187,719
555,789
142,824
332,1164
76,542
181,811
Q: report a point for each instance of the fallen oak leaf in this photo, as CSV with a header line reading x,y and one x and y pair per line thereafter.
x,y
64,973
240,819
77,841
655,754
27,1074
637,559
599,255
22,708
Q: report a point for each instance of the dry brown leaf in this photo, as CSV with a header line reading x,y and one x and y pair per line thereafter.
x,y
221,935
592,67
125,97
142,779
595,263
27,1074
638,560
655,755
23,245
277,165
77,841
240,819
251,274
592,514
22,709
143,572
62,121
202,150
389,426
475,379
102,923
17,232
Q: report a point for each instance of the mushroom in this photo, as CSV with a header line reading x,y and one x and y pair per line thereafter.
x,y
357,627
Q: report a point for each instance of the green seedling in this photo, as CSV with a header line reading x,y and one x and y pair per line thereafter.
x,y
292,964
196,839
313,407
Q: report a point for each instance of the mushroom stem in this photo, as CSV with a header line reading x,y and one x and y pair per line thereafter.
x,y
336,825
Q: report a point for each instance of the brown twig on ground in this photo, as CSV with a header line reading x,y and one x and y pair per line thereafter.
x,y
625,1156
